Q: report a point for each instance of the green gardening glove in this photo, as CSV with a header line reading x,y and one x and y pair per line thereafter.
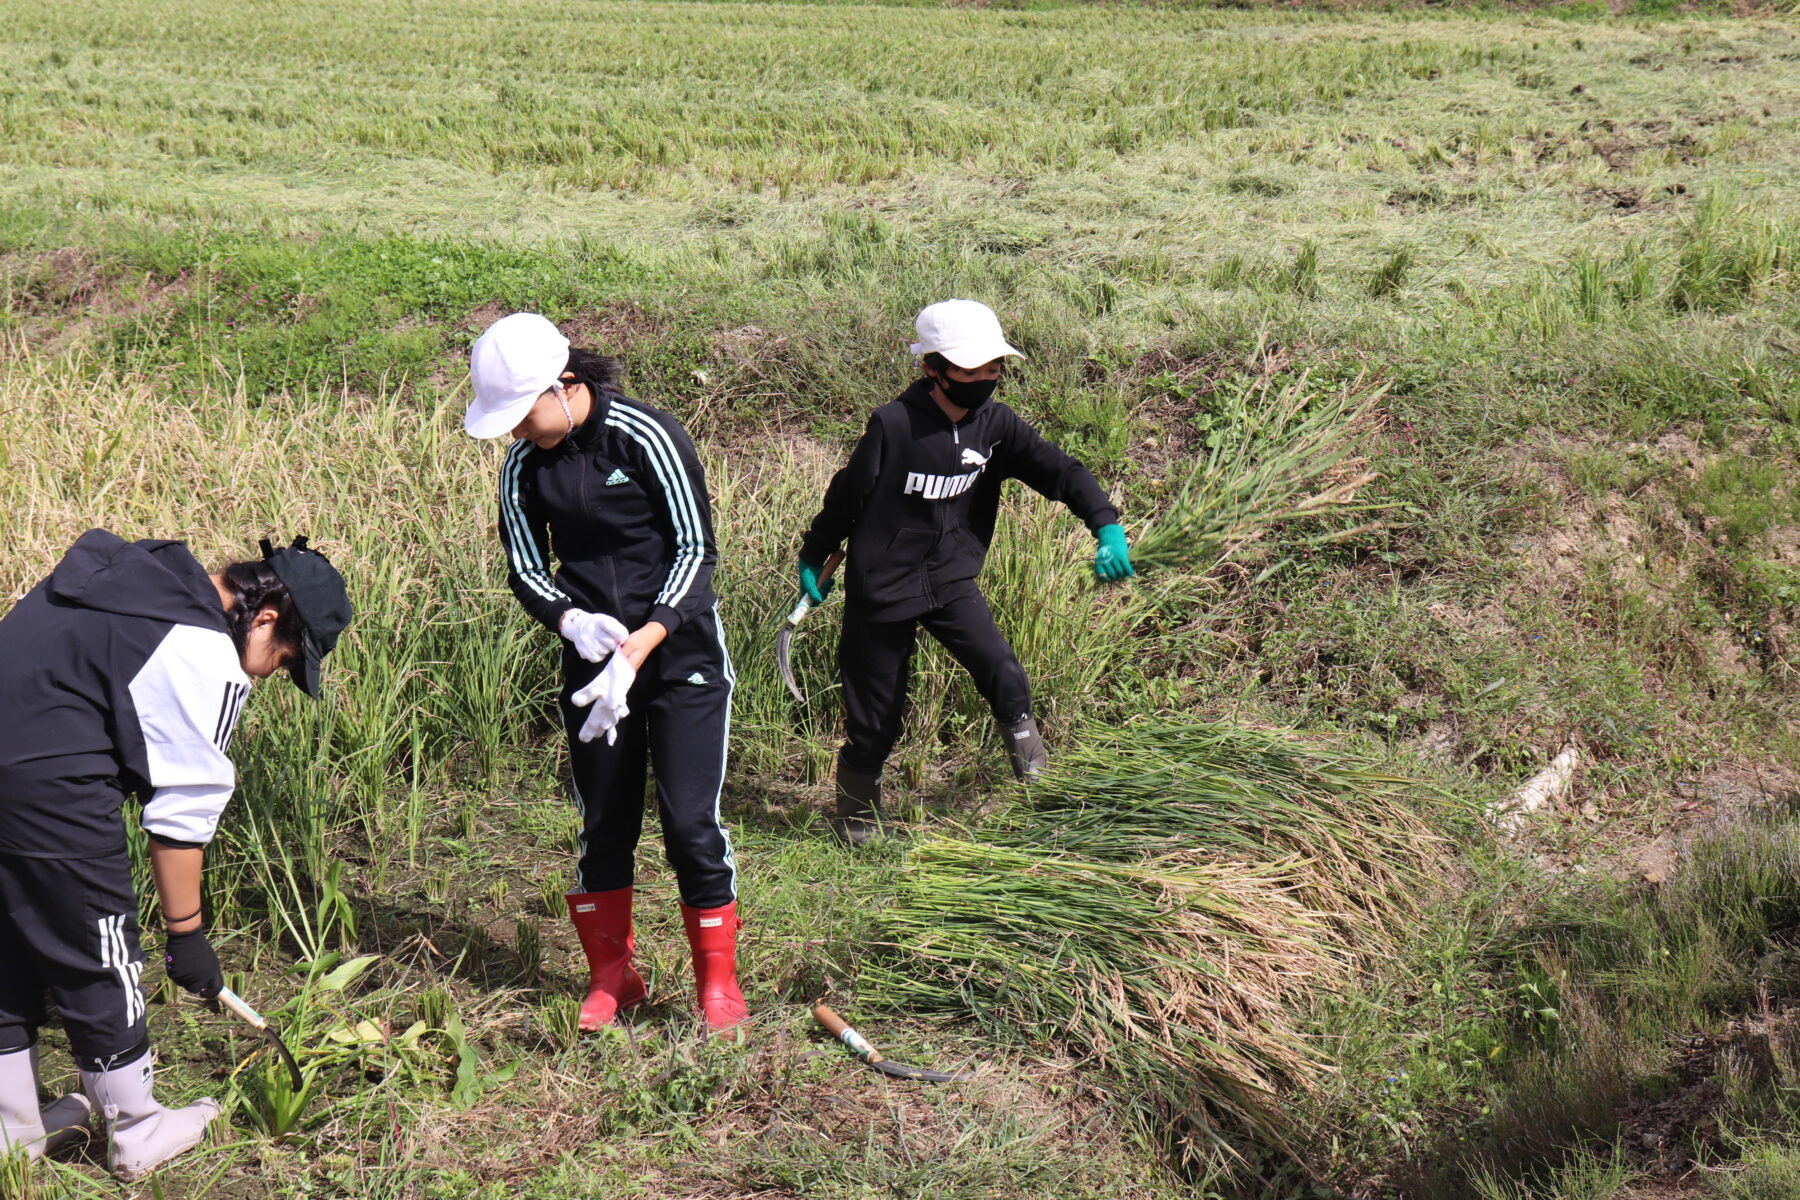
x,y
809,583
1112,561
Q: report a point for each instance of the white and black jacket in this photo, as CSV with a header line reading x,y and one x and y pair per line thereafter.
x,y
920,495
117,676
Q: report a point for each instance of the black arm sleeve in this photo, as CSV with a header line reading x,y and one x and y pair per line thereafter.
x,y
668,453
526,540
845,497
1046,468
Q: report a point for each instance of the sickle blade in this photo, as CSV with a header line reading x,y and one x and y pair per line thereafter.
x,y
236,1005
784,642
292,1066
888,1066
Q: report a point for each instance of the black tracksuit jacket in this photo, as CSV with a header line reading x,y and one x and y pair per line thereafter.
x,y
920,495
622,504
117,676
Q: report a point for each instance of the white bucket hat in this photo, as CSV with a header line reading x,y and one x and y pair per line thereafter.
x,y
514,361
964,331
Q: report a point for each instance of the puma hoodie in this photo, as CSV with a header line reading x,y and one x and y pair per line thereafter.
x,y
919,498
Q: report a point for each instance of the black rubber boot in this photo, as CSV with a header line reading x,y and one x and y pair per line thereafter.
x,y
1025,747
858,815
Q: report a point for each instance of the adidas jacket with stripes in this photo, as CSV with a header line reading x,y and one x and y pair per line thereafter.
x,y
622,505
621,502
117,676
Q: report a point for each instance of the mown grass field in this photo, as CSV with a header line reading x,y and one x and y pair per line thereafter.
x,y
243,248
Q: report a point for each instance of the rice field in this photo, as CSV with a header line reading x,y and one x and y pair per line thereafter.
x,y
1442,363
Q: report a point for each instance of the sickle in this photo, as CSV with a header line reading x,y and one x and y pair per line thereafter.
x,y
860,1048
249,1016
784,640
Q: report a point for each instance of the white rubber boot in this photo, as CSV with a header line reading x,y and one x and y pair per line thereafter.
x,y
143,1133
23,1123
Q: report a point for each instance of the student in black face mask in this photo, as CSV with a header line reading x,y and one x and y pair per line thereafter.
x,y
918,501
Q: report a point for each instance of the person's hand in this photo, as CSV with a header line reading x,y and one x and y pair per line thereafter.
x,y
192,964
638,646
809,583
604,698
594,635
1112,561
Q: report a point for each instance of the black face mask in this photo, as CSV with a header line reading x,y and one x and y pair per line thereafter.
x,y
968,394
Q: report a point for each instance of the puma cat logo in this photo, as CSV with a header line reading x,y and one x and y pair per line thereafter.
x,y
942,487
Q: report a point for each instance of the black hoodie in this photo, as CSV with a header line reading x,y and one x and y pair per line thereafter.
x,y
117,675
920,495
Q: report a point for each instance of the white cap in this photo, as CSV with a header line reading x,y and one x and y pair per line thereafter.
x,y
964,331
514,361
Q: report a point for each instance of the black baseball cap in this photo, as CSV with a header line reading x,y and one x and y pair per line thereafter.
x,y
320,601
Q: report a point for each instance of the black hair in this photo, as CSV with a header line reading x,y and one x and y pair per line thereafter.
x,y
600,372
936,362
254,587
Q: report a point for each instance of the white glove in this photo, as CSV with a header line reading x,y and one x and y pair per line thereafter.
x,y
607,695
594,635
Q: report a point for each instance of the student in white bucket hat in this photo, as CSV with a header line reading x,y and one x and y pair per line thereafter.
x,y
917,502
616,488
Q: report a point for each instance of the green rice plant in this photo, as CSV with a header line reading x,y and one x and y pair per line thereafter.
x,y
437,886
1284,453
550,895
1590,286
1302,275
22,1178
1730,252
528,944
1390,276
559,1019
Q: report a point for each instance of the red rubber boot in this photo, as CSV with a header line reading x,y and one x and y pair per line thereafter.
x,y
603,923
712,936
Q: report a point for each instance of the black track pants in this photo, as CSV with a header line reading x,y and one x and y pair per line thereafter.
x,y
875,667
68,926
678,731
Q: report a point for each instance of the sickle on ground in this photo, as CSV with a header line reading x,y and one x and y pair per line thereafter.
x,y
861,1049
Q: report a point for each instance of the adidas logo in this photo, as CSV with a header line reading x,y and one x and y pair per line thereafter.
x,y
696,677
617,477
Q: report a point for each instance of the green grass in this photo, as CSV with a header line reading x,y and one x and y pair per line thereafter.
x,y
242,253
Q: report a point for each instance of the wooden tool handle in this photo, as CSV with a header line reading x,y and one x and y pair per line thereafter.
x,y
240,1010
834,1024
840,1029
831,564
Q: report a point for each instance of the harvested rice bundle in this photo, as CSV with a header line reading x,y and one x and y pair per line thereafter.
x,y
1171,902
